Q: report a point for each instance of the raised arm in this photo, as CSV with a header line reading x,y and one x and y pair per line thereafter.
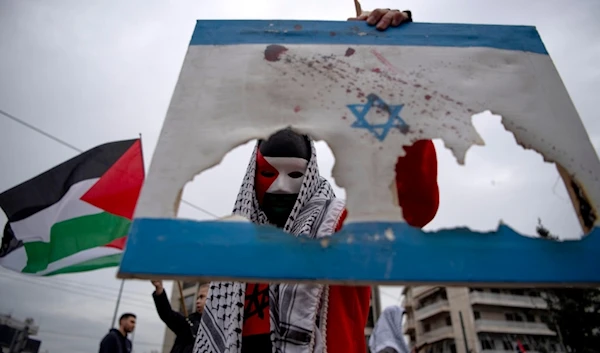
x,y
174,320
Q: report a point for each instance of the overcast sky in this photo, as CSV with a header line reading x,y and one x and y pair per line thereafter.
x,y
89,72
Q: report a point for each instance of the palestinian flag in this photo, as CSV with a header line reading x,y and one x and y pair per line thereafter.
x,y
74,217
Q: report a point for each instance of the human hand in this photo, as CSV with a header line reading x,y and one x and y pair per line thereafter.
x,y
159,286
383,18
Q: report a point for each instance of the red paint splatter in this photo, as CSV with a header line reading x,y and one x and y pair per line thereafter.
x,y
348,90
360,95
417,85
344,117
378,70
297,27
350,52
447,113
273,52
296,109
428,97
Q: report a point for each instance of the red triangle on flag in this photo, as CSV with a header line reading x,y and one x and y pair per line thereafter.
x,y
118,189
118,243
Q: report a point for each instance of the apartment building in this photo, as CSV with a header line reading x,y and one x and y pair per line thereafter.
x,y
189,296
477,320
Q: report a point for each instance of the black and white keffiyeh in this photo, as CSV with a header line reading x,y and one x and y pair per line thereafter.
x,y
294,309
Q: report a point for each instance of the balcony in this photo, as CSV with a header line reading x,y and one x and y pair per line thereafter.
x,y
433,309
438,334
515,327
508,300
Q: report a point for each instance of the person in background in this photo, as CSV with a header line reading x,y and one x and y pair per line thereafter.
x,y
387,335
116,341
185,328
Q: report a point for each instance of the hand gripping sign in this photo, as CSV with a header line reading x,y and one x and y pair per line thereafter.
x,y
367,94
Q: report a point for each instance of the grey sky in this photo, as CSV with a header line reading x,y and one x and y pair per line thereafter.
x,y
97,71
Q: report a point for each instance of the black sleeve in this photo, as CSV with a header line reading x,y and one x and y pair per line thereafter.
x,y
109,344
174,320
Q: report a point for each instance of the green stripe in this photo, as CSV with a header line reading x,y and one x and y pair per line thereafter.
x,y
72,236
94,264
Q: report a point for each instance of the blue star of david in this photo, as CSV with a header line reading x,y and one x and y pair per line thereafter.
x,y
380,131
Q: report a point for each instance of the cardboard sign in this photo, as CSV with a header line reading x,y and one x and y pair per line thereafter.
x,y
368,94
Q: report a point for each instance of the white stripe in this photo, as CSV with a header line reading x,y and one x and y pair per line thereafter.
x,y
77,258
15,260
37,227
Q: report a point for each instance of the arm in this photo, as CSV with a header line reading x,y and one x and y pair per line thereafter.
x,y
347,314
416,181
174,320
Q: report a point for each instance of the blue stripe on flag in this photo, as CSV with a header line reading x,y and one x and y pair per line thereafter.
x,y
360,253
223,32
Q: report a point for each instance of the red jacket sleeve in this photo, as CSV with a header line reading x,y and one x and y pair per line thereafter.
x,y
416,180
347,315
418,194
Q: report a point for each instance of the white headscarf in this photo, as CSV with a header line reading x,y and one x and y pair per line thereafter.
x,y
388,331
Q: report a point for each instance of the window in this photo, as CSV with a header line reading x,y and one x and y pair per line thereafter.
x,y
444,295
530,318
509,317
426,327
452,348
487,344
507,346
477,315
448,321
518,318
495,290
518,292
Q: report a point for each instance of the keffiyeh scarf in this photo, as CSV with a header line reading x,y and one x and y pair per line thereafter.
x,y
294,309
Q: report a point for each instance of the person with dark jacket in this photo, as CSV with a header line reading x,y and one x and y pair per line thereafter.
x,y
185,328
116,341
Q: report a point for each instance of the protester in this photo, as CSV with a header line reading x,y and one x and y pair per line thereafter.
x,y
283,187
185,328
387,336
116,341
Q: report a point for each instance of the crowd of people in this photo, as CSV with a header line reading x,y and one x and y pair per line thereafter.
x,y
283,187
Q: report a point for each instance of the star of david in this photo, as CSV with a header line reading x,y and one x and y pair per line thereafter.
x,y
380,131
256,302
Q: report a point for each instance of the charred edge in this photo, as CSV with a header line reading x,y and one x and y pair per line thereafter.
x,y
586,210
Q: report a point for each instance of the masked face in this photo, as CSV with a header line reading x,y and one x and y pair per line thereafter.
x,y
280,166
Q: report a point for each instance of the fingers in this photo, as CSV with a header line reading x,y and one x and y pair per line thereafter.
x,y
385,21
376,15
398,18
382,19
359,18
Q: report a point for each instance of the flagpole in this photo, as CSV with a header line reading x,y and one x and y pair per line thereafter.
x,y
185,313
114,319
117,306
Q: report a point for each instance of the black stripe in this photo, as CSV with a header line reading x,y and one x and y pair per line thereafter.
x,y
49,187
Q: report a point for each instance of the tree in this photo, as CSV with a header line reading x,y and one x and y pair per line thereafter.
x,y
574,312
